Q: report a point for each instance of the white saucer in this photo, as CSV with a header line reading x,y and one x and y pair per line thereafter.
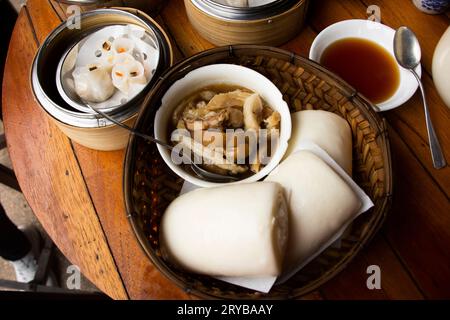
x,y
382,35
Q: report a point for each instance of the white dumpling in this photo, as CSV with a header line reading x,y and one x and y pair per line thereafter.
x,y
320,203
134,68
105,54
124,58
326,129
120,78
123,45
222,232
128,76
93,83
106,60
137,74
135,31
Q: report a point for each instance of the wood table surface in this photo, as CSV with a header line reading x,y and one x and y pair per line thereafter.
x,y
76,193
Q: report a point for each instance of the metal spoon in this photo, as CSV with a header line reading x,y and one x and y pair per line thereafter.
x,y
202,173
407,52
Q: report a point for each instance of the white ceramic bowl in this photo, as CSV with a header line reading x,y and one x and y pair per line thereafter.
x,y
222,74
379,33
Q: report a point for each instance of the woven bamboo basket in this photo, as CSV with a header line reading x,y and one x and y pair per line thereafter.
x,y
149,185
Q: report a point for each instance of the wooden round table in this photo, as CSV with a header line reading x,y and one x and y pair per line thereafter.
x,y
76,193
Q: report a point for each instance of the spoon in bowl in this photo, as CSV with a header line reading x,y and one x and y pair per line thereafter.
x,y
199,171
407,52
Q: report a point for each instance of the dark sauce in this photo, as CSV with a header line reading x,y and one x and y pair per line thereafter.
x,y
365,65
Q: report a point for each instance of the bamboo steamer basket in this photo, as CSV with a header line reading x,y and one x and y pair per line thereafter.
x,y
89,129
151,7
264,28
150,186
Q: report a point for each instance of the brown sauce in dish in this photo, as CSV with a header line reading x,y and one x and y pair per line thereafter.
x,y
365,65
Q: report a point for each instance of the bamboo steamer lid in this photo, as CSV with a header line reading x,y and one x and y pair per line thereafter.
x,y
267,22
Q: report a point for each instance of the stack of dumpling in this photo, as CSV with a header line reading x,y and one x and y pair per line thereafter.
x,y
271,227
114,67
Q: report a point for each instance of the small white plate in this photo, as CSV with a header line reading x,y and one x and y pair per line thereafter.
x,y
383,36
